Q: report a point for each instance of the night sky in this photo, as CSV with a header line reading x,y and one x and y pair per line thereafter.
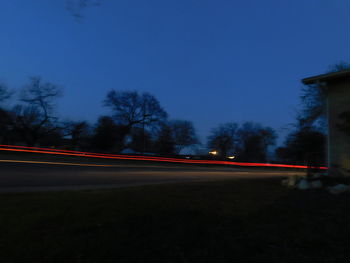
x,y
209,62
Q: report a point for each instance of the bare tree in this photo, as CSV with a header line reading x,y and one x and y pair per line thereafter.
x,y
78,131
339,66
224,138
254,140
313,111
131,108
5,93
268,136
41,96
183,134
34,118
313,101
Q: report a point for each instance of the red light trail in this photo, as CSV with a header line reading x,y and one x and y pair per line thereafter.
x,y
14,148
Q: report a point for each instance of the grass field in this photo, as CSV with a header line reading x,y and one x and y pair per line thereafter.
x,y
245,220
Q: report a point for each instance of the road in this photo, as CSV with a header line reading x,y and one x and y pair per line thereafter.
x,y
23,176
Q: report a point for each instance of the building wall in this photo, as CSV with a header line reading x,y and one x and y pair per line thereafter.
x,y
339,142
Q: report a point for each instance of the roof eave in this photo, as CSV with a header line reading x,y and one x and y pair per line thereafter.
x,y
326,77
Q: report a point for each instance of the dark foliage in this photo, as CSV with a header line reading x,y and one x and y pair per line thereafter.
x,y
224,139
165,143
303,145
79,134
108,136
254,141
6,134
140,140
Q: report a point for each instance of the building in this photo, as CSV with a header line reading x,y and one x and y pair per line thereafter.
x,y
337,88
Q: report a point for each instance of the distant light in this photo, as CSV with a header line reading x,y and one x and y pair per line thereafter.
x,y
231,157
213,152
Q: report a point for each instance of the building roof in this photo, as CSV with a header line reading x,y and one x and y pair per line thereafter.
x,y
327,77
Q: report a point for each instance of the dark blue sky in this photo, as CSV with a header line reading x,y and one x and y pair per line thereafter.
x,y
206,61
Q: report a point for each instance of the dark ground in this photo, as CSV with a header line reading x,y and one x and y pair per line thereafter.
x,y
242,220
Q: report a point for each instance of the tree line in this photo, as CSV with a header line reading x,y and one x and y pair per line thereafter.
x,y
137,123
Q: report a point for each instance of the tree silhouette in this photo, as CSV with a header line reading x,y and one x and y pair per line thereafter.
x,y
224,139
254,140
34,119
183,134
5,93
131,108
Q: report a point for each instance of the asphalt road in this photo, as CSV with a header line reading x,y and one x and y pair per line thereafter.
x,y
23,176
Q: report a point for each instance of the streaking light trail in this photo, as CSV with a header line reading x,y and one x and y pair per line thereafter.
x,y
14,148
